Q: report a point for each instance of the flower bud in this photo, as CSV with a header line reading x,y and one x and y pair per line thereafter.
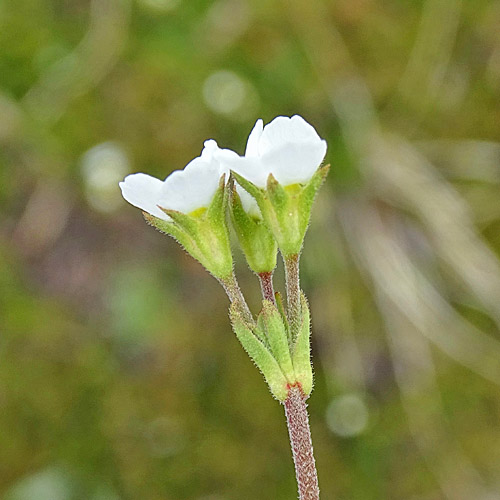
x,y
255,238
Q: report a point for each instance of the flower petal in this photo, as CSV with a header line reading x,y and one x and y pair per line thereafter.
x,y
210,148
252,148
289,148
294,162
251,168
192,188
283,131
143,191
223,157
248,201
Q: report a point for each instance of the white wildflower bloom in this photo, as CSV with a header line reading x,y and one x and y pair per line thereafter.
x,y
144,192
288,148
183,190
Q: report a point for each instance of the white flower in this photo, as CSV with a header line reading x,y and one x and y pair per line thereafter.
x,y
183,190
288,148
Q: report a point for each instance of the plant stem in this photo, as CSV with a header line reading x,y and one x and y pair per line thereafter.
x,y
293,293
300,440
233,291
295,404
266,285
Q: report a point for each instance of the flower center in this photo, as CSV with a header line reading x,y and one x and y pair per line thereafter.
x,y
198,212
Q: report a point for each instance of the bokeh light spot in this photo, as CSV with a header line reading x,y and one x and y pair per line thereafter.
x,y
48,484
103,166
347,415
227,93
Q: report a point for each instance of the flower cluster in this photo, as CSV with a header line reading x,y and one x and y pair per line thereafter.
x,y
269,192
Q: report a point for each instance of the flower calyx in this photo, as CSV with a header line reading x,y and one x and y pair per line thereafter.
x,y
286,210
203,233
255,238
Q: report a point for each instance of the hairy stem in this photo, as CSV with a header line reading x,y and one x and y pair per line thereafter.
x,y
293,293
300,440
233,291
266,285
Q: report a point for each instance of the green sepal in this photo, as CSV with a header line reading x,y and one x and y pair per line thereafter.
x,y
249,187
308,195
287,216
186,222
276,335
255,238
301,352
203,233
277,194
175,231
286,210
260,355
216,211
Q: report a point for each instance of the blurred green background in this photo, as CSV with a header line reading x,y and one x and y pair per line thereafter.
x,y
120,378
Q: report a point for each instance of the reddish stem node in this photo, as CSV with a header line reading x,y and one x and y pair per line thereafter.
x,y
266,285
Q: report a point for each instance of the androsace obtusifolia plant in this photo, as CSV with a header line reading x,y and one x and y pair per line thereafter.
x,y
268,193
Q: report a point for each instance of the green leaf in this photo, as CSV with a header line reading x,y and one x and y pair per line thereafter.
x,y
277,337
281,308
301,354
260,331
260,355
